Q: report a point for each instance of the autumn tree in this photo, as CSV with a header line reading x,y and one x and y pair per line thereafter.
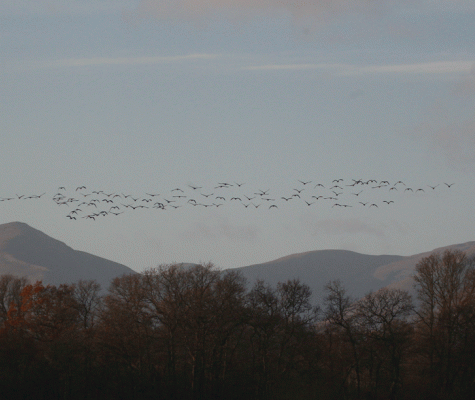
x,y
10,294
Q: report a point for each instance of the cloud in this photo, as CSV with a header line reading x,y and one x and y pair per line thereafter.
x,y
294,67
434,67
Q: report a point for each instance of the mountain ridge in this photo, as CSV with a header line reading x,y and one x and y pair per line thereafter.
x,y
26,251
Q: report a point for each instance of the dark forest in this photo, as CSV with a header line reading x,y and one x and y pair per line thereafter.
x,y
195,333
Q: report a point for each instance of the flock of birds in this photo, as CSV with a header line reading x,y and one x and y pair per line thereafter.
x,y
94,204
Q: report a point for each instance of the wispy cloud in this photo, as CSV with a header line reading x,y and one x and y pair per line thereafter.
x,y
294,67
435,67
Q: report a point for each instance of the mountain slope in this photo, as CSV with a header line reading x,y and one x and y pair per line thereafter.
x,y
359,273
25,251
399,274
317,268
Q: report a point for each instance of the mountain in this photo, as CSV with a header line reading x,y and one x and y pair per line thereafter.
x,y
359,273
317,268
25,251
399,274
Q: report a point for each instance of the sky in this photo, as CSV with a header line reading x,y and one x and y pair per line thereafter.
x,y
266,104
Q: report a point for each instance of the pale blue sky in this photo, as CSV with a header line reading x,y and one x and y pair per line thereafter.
x,y
135,97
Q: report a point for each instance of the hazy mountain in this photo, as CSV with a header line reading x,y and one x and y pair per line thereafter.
x,y
317,268
359,273
25,251
399,274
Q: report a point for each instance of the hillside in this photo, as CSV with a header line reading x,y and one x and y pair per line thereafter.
x,y
317,268
359,273
25,251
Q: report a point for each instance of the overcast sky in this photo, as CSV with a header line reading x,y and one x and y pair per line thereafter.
x,y
136,97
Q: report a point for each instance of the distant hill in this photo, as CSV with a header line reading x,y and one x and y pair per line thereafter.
x,y
317,268
399,274
25,251
359,273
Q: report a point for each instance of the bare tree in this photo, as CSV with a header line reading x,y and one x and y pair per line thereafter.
x,y
341,315
384,321
445,285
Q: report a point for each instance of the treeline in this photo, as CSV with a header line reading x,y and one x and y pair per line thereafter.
x,y
199,333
